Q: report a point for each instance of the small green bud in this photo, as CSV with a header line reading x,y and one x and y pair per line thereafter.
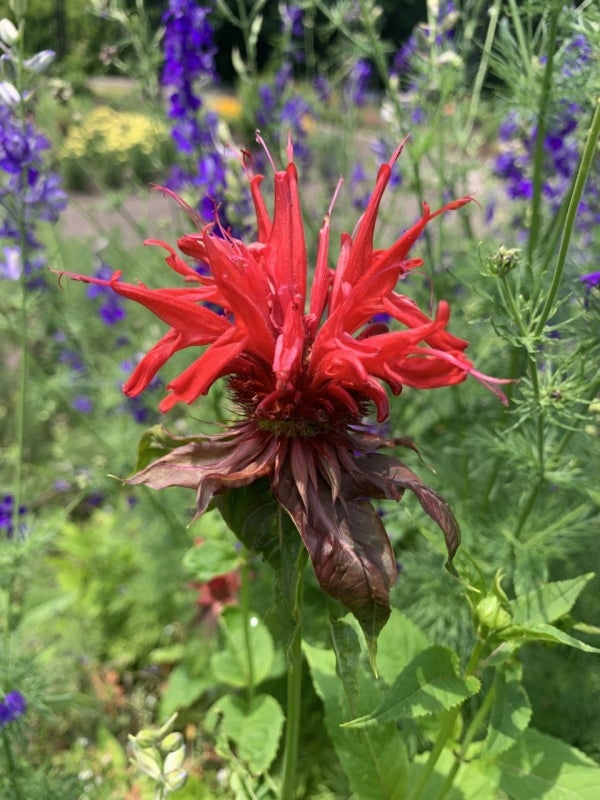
x,y
171,742
174,761
19,8
149,762
145,738
176,780
503,261
492,614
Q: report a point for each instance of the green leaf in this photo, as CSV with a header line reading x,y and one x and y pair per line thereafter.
x,y
544,768
211,558
254,728
231,664
252,513
428,685
549,602
398,643
545,633
375,760
182,690
155,443
511,711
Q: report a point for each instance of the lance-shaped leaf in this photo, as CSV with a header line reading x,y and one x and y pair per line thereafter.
x,y
428,685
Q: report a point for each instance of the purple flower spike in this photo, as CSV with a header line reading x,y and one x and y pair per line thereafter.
x,y
12,707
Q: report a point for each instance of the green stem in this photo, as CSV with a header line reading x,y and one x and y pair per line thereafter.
x,y
494,15
448,723
10,763
578,186
538,153
470,733
294,687
245,603
376,54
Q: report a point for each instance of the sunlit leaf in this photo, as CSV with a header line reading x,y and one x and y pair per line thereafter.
x,y
253,727
428,685
248,652
549,602
544,768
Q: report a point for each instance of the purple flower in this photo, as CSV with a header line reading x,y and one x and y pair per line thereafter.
x,y
111,309
12,707
28,193
7,514
591,280
357,83
82,404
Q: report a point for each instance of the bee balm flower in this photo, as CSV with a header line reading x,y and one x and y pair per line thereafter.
x,y
304,367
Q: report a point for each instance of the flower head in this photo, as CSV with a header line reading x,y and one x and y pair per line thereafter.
x,y
303,366
12,707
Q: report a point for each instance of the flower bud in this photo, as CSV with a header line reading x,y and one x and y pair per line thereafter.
x,y
174,761
9,95
176,780
492,614
149,762
171,742
40,61
503,261
145,738
18,7
8,33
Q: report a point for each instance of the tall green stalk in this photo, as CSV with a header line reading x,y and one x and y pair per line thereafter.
x,y
294,687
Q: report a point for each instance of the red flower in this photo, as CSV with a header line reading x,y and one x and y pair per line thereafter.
x,y
304,370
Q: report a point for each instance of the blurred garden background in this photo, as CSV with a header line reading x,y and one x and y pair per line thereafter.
x,y
116,611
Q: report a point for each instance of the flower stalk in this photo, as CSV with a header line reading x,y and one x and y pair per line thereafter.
x,y
294,686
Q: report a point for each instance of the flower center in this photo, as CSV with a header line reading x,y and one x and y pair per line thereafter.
x,y
299,411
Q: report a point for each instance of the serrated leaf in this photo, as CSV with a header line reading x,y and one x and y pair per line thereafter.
x,y
231,664
375,760
429,684
398,643
211,558
254,728
510,713
545,768
549,602
545,633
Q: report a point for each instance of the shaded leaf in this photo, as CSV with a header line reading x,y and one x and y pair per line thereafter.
x,y
231,664
254,728
428,685
511,711
182,690
375,760
155,443
548,602
211,558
